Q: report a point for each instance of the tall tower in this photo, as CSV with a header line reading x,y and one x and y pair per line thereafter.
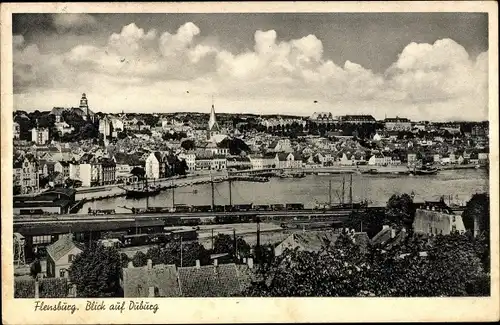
x,y
84,105
213,126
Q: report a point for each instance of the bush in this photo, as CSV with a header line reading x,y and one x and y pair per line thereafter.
x,y
53,288
24,288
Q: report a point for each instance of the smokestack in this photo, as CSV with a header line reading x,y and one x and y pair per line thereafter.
x,y
150,264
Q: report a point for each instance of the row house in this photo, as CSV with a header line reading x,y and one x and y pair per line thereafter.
x,y
215,149
288,160
90,170
239,163
45,168
126,162
40,135
62,167
160,164
219,163
190,158
263,161
108,171
26,174
379,159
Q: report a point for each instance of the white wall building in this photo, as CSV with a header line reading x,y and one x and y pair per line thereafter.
x,y
40,135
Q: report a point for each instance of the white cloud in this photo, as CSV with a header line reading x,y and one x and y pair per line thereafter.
x,y
423,78
74,22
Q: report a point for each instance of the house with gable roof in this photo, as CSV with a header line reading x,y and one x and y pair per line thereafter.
x,y
60,256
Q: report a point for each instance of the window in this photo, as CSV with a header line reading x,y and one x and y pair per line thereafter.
x,y
71,257
453,228
62,273
454,219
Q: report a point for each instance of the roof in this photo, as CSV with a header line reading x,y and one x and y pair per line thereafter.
x,y
311,241
397,119
209,281
62,247
138,280
68,192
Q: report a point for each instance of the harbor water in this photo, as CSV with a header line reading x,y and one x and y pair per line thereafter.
x,y
312,189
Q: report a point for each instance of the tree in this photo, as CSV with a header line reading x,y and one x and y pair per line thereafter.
x,y
124,260
96,272
188,144
139,259
223,243
400,210
333,272
139,172
478,207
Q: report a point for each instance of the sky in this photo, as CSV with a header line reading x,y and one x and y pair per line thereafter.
x,y
424,66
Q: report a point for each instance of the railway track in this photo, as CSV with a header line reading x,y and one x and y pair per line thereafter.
x,y
130,216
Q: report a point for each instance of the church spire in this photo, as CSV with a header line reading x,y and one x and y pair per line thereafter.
x,y
212,122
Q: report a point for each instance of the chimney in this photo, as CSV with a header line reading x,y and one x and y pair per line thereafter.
x,y
393,232
150,264
37,289
151,292
197,264
215,262
130,265
250,263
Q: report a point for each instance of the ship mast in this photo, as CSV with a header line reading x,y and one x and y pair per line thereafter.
x,y
230,193
147,194
350,192
173,195
343,189
330,192
213,197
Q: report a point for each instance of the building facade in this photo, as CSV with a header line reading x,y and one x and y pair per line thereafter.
x,y
40,135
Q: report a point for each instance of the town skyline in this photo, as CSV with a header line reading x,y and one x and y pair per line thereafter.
x,y
277,64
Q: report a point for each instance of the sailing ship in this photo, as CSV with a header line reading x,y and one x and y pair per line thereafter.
x,y
142,191
342,204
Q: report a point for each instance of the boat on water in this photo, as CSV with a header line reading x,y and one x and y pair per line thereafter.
x,y
425,170
144,190
292,175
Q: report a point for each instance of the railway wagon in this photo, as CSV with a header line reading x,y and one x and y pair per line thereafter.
x,y
262,207
294,206
182,208
145,239
185,234
277,207
242,207
201,208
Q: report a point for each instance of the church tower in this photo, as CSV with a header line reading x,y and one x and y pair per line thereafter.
x,y
84,106
213,126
